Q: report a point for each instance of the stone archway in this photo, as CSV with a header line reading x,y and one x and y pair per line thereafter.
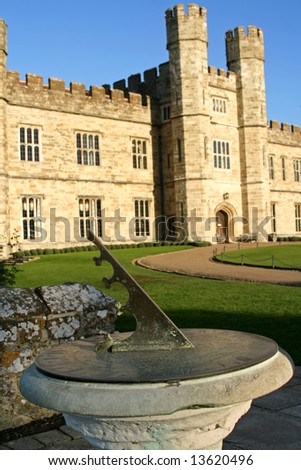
x,y
222,226
225,214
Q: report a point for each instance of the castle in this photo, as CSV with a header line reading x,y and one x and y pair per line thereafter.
x,y
185,152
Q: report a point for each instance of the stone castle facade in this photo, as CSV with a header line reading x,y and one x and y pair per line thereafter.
x,y
184,152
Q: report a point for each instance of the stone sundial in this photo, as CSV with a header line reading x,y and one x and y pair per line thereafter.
x,y
157,387
157,350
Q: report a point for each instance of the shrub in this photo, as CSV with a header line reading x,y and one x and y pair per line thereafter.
x,y
7,274
140,245
19,255
48,251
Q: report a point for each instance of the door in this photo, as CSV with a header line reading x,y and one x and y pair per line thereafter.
x,y
222,227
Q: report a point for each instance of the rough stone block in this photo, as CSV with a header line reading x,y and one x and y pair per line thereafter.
x,y
16,303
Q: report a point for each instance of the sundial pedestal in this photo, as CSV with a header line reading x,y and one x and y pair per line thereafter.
x,y
191,414
159,387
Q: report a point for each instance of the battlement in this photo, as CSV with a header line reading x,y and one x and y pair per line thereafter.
x,y
220,72
178,11
284,133
222,78
146,86
240,33
244,44
284,127
186,26
54,95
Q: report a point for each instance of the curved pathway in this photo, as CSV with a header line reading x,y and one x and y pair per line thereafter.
x,y
198,262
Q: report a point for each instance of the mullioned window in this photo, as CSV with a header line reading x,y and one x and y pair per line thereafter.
x,y
298,217
29,141
31,217
219,105
142,223
297,170
221,155
89,211
87,148
139,154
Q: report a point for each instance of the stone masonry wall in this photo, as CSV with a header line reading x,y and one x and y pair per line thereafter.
x,y
33,320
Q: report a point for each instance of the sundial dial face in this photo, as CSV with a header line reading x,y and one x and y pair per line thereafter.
x,y
157,351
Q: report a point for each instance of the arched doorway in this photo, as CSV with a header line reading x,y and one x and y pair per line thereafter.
x,y
222,226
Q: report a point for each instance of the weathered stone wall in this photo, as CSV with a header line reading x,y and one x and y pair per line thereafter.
x,y
33,320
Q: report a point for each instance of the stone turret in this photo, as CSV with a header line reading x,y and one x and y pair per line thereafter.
x,y
245,57
187,44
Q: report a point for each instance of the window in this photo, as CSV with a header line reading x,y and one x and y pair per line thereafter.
x,y
31,217
168,161
271,167
142,225
219,105
298,217
139,154
165,110
87,148
29,142
181,205
273,219
283,168
221,154
297,170
179,148
89,216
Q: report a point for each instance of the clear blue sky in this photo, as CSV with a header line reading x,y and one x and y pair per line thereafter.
x,y
97,42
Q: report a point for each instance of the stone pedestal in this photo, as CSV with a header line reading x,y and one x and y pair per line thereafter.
x,y
201,429
192,414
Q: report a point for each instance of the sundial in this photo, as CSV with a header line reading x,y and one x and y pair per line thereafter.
x,y
157,351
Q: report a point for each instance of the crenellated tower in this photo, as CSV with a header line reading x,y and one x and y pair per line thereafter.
x,y
3,179
187,43
245,57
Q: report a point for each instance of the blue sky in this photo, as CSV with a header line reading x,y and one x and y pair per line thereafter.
x,y
98,42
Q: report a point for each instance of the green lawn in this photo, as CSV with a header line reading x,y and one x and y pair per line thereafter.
x,y
284,257
273,311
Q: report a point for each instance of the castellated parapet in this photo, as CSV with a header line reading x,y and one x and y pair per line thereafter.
x,y
97,101
244,45
284,133
186,26
221,78
155,83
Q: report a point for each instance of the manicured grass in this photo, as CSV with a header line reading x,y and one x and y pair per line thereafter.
x,y
282,257
272,311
